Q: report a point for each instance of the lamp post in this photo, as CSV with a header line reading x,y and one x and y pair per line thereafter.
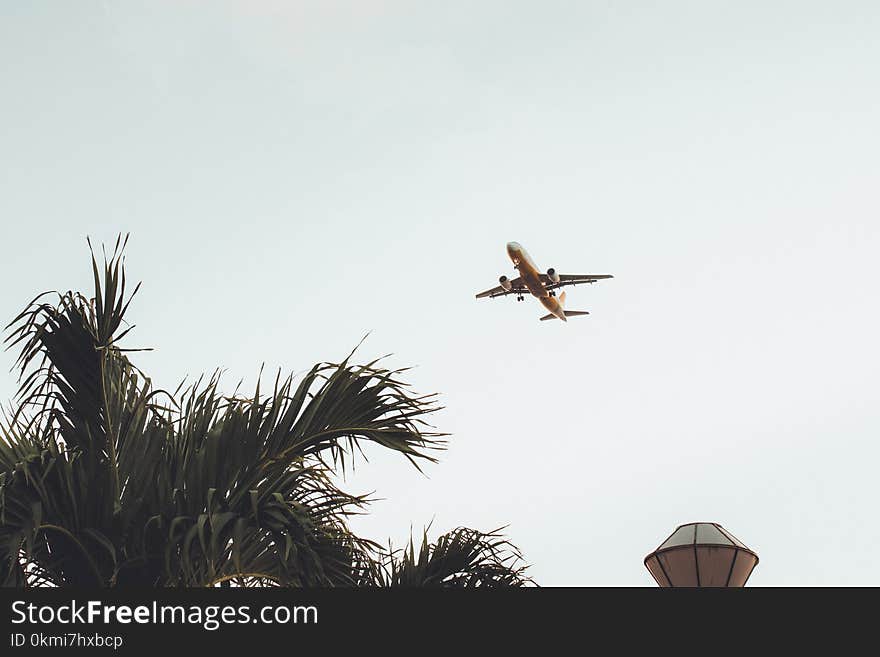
x,y
701,554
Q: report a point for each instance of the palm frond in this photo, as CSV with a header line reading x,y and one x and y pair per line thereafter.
x,y
462,558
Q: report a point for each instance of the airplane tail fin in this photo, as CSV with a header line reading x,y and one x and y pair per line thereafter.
x,y
568,313
562,299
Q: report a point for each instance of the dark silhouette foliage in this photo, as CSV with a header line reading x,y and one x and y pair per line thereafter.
x,y
106,481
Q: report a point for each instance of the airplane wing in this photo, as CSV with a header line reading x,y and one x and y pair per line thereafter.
x,y
572,279
516,287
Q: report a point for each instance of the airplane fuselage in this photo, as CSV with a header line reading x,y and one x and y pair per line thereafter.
x,y
531,277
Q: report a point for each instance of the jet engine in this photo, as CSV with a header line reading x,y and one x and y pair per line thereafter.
x,y
505,283
552,275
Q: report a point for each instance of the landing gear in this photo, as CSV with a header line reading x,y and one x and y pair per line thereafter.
x,y
552,293
519,298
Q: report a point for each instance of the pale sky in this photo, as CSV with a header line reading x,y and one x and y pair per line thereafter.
x,y
297,174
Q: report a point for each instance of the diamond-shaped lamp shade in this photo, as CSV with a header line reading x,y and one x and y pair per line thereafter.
x,y
701,554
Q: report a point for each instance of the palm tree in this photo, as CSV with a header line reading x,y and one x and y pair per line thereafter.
x,y
106,481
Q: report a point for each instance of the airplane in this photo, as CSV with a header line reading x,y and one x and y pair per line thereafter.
x,y
542,286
